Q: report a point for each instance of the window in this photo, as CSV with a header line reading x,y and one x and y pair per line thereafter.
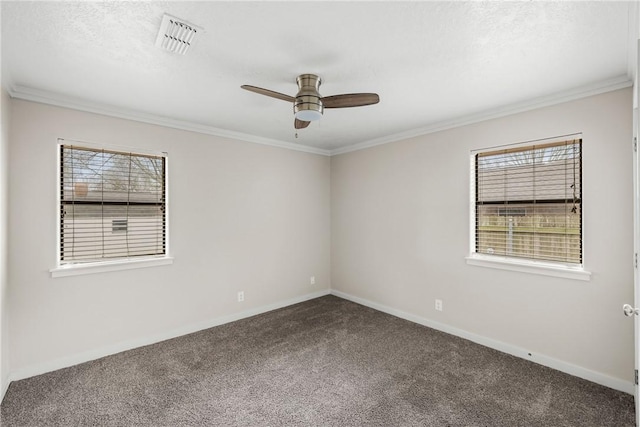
x,y
112,205
528,202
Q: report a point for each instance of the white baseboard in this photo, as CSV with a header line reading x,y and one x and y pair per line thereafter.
x,y
87,356
568,368
596,377
4,388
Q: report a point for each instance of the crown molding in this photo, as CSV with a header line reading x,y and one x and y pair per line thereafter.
x,y
610,85
51,98
45,97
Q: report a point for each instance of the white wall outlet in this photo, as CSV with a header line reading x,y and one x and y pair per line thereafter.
x,y
240,296
439,304
312,280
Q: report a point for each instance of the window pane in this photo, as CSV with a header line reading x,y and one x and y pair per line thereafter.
x,y
112,205
528,202
545,232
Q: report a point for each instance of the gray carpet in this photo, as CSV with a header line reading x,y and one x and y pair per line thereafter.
x,y
325,362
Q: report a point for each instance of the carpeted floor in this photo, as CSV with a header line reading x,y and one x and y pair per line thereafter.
x,y
325,362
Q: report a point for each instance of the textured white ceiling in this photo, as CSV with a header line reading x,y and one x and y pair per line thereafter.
x,y
430,62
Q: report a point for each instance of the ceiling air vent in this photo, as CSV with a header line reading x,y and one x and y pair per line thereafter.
x,y
175,35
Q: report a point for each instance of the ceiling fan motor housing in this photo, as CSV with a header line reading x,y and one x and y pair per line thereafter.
x,y
308,105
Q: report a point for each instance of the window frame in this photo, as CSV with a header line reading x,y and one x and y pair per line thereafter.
x,y
71,269
522,264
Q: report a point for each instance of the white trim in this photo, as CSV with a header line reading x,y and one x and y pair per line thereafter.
x,y
544,101
106,266
566,271
51,98
64,270
87,356
111,147
632,40
526,144
167,210
56,191
5,387
562,366
526,266
596,377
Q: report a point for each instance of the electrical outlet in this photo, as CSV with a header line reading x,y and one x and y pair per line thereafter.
x,y
240,296
312,280
439,304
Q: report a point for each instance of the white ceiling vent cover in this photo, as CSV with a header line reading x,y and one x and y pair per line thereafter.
x,y
175,35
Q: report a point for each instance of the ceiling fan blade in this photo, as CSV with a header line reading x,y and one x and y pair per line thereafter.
x,y
350,100
300,124
268,92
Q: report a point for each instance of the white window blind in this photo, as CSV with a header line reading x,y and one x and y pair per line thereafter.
x,y
529,202
112,205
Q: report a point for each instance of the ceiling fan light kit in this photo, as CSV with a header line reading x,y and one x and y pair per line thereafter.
x,y
308,108
309,105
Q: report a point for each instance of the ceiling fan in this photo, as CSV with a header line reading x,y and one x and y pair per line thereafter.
x,y
308,104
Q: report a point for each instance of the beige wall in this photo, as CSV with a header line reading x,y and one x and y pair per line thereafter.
x,y
388,225
4,285
242,217
400,233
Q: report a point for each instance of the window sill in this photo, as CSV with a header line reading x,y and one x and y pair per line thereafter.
x,y
103,267
532,267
